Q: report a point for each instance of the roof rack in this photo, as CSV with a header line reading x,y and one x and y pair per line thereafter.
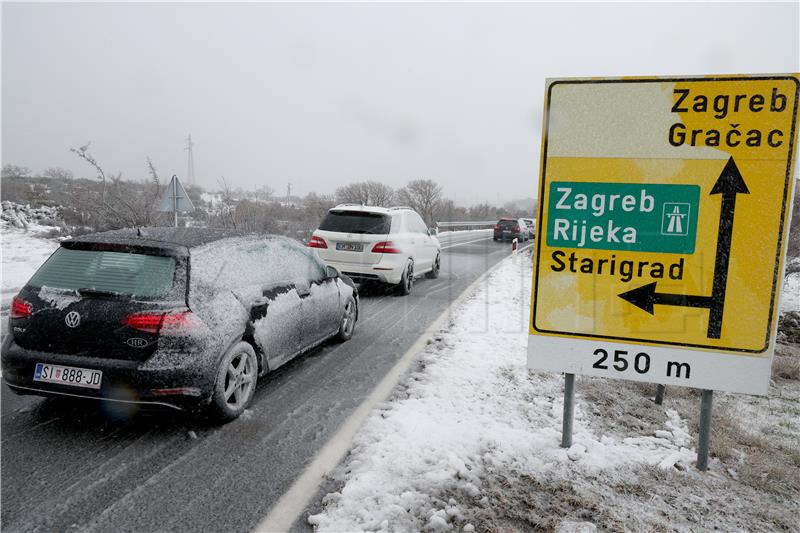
x,y
400,207
349,203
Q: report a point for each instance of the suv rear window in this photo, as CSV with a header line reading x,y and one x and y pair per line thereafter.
x,y
507,223
356,222
121,273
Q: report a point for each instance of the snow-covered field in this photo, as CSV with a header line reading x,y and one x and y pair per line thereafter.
x,y
471,441
22,253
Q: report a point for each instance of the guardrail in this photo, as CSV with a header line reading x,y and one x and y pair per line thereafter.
x,y
465,226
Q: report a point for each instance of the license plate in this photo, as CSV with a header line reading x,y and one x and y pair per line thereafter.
x,y
350,246
68,375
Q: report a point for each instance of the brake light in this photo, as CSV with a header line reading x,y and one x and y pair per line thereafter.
x,y
385,247
173,324
497,226
317,242
516,229
20,308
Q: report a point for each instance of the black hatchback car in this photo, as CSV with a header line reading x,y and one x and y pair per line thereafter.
x,y
511,228
184,317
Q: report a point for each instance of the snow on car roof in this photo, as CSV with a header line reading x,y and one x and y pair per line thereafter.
x,y
159,237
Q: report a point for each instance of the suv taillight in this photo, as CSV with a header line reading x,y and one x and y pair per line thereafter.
x,y
20,308
173,324
317,242
385,247
497,226
516,228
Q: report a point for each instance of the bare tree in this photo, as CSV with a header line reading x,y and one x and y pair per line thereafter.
x,y
424,196
264,193
228,204
366,192
15,171
83,153
58,173
127,205
318,205
379,194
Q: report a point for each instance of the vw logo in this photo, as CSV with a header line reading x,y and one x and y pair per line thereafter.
x,y
73,319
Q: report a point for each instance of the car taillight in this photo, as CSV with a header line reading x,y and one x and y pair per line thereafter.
x,y
167,324
516,229
497,226
20,308
317,242
385,247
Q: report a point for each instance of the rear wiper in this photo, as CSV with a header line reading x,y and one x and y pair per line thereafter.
x,y
97,292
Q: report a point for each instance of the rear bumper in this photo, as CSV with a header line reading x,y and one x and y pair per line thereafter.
x,y
388,270
508,236
185,387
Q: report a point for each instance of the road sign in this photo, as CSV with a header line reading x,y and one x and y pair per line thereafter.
x,y
663,209
175,199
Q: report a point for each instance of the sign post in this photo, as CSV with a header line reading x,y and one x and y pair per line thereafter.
x,y
663,224
175,199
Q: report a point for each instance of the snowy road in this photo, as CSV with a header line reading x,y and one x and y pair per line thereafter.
x,y
70,466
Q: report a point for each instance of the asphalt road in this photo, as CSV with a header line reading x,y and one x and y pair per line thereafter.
x,y
77,466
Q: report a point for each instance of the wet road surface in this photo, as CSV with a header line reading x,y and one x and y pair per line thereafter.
x,y
73,465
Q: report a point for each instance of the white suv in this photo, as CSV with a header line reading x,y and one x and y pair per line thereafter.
x,y
391,245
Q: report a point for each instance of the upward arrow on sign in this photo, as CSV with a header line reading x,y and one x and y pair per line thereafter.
x,y
729,184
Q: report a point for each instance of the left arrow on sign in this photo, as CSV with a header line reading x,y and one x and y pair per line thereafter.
x,y
645,297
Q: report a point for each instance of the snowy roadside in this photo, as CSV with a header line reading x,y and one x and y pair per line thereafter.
x,y
471,442
23,251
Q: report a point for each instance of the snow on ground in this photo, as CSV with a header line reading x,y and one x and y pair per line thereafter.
x,y
22,253
790,299
471,442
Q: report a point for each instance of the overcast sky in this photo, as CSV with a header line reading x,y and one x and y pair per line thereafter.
x,y
322,95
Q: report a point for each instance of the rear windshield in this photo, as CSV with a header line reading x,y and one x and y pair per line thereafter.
x,y
356,222
119,273
508,223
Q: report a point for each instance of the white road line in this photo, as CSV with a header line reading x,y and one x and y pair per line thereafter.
x,y
462,243
294,501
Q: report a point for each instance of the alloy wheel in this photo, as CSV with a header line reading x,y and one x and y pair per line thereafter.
x,y
239,380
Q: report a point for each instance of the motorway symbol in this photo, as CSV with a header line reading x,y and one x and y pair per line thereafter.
x,y
729,184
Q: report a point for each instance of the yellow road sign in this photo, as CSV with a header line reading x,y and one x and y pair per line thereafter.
x,y
663,219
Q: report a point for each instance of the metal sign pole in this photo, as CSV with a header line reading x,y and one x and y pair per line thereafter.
x,y
705,430
660,394
175,198
569,410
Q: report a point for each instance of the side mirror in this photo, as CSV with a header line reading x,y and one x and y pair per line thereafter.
x,y
331,272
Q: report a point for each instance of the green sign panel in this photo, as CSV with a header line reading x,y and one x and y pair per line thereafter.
x,y
623,216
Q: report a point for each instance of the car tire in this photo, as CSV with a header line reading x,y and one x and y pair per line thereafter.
x,y
235,383
407,281
348,322
434,272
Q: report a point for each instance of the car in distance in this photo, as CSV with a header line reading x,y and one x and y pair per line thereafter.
x,y
531,223
511,228
378,244
188,318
